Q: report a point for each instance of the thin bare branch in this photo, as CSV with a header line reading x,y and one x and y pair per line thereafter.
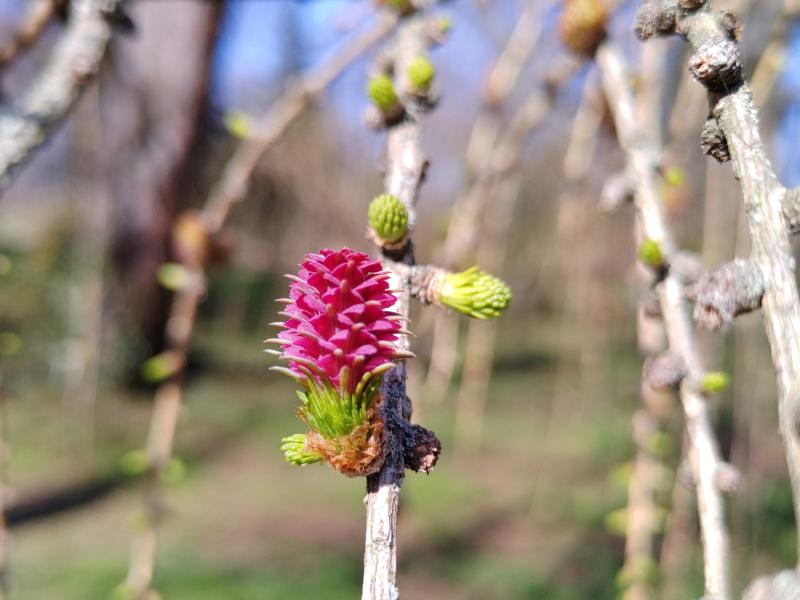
x,y
704,454
26,124
405,171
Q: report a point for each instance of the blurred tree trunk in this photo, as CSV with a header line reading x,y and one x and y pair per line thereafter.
x,y
152,100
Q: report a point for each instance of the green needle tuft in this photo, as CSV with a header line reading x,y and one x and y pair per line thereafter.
x,y
294,450
475,293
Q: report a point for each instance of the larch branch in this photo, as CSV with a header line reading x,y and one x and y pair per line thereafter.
x,y
704,454
716,63
76,58
405,172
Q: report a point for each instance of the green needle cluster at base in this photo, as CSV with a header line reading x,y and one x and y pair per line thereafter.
x,y
333,414
475,293
420,74
293,448
380,90
388,218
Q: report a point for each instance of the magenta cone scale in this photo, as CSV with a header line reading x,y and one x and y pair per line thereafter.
x,y
338,325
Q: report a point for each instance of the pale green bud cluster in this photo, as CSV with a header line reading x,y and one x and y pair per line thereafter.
x,y
380,90
293,448
475,293
388,218
420,74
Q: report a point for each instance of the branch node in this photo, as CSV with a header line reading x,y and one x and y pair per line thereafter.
x,y
664,371
717,64
720,296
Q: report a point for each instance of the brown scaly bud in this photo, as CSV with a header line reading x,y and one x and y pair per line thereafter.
x,y
691,4
713,142
655,18
733,289
664,371
423,455
583,25
717,65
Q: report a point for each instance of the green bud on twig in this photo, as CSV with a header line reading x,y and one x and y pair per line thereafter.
x,y
420,74
173,276
238,123
134,463
674,176
616,522
474,293
650,253
715,382
388,218
382,93
162,366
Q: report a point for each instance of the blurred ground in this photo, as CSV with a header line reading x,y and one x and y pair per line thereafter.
x,y
526,517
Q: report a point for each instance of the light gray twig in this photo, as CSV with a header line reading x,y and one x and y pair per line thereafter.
x,y
26,124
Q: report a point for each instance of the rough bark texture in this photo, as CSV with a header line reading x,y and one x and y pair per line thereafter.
x,y
703,451
731,290
27,123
